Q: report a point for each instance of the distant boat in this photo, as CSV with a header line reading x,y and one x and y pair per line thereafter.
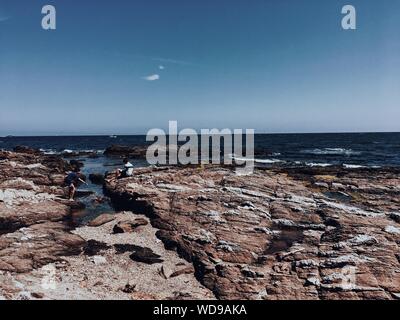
x,y
113,136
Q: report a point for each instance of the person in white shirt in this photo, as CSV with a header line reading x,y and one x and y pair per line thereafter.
x,y
127,171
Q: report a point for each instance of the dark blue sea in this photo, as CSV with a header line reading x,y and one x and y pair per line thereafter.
x,y
346,149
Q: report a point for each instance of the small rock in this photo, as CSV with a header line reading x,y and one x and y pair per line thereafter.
x,y
129,288
187,270
129,226
102,219
98,260
145,255
37,295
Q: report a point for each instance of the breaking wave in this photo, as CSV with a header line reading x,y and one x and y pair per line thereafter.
x,y
312,164
331,151
267,161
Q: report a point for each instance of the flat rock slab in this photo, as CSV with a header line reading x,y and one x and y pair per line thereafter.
x,y
102,219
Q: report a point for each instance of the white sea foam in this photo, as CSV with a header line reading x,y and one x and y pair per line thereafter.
x,y
331,151
352,166
52,151
48,151
311,164
356,166
269,161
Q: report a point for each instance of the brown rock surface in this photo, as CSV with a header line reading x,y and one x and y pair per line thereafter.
x,y
31,212
42,258
128,225
101,219
276,234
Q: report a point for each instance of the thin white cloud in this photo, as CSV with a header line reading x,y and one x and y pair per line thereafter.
x,y
173,61
161,67
152,77
2,19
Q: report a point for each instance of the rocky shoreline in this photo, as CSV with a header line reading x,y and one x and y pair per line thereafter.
x,y
201,233
42,256
316,234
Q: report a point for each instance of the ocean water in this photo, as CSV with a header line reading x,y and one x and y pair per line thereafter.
x,y
350,150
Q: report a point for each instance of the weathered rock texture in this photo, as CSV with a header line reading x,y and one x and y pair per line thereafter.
x,y
276,235
42,257
32,211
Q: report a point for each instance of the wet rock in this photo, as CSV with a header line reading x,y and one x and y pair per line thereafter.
x,y
26,150
76,163
126,151
75,154
83,193
96,178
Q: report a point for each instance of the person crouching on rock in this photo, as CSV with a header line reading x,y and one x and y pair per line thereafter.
x,y
72,181
127,171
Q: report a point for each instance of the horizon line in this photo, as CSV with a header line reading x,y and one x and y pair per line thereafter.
x,y
140,134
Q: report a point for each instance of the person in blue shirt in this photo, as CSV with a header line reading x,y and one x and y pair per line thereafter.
x,y
72,181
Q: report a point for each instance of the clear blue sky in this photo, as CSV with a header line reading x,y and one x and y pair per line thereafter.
x,y
275,66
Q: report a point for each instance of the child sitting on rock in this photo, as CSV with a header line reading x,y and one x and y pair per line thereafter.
x,y
127,171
